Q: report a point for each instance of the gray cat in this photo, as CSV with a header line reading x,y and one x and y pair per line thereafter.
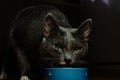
x,y
41,37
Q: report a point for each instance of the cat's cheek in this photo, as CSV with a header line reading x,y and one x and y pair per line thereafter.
x,y
77,56
74,56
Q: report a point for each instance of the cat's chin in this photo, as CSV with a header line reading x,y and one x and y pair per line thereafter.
x,y
64,65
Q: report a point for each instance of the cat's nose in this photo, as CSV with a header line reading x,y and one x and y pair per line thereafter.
x,y
67,61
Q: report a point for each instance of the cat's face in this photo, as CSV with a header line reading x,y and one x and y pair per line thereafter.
x,y
64,46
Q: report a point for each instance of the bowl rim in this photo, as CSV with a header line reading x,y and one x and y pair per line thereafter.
x,y
67,68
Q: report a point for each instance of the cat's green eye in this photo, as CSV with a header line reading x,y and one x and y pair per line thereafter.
x,y
57,47
77,49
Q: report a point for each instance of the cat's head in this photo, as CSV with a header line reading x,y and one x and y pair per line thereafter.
x,y
63,45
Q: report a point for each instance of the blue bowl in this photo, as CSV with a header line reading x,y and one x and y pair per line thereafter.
x,y
67,73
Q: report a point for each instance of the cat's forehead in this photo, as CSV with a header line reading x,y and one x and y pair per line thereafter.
x,y
68,33
69,30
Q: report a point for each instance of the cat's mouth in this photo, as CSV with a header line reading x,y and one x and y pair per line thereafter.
x,y
76,64
54,62
64,65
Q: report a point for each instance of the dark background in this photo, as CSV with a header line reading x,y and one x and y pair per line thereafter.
x,y
104,50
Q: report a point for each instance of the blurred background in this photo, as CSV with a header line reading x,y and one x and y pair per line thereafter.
x,y
104,50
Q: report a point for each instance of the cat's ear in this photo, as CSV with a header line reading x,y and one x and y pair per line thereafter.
x,y
85,29
50,26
